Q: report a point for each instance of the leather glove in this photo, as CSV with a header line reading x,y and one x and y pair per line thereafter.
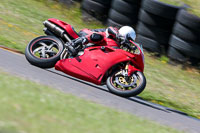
x,y
79,42
121,40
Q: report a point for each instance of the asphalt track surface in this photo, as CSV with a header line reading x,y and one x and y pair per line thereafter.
x,y
16,64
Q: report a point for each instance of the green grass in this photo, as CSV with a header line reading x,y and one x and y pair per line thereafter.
x,y
21,21
173,2
27,107
172,86
194,4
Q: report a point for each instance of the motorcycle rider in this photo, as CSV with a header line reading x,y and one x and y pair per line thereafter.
x,y
97,36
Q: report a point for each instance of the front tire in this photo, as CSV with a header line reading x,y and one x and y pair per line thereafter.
x,y
135,87
44,51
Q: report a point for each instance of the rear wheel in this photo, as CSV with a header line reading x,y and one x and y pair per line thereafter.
x,y
123,86
44,51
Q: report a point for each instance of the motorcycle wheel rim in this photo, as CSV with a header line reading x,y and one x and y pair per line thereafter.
x,y
48,48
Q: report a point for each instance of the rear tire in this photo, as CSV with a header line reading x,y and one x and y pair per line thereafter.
x,y
50,57
126,92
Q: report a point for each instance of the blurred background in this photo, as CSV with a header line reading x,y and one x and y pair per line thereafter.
x,y
169,31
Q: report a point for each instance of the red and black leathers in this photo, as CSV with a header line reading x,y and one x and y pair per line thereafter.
x,y
95,36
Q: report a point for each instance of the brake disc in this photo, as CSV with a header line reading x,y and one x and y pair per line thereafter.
x,y
120,80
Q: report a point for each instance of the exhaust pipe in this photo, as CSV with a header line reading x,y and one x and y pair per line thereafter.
x,y
54,28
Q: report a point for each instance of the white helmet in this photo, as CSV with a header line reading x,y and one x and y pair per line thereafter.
x,y
127,32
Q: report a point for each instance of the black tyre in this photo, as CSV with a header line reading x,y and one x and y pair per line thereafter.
x,y
188,20
113,23
154,20
189,49
175,54
121,19
44,51
155,33
125,7
106,3
160,9
95,9
149,44
117,84
186,33
138,2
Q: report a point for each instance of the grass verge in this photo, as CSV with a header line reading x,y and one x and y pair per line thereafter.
x,y
172,86
21,21
27,107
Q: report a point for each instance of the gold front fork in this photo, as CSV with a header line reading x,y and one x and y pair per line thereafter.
x,y
126,67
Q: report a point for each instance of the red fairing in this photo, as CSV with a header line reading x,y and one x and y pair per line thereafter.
x,y
139,59
94,63
110,42
65,26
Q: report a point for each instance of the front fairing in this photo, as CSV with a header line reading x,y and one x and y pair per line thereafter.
x,y
94,63
138,60
140,50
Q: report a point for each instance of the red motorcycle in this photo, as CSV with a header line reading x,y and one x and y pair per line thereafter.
x,y
120,68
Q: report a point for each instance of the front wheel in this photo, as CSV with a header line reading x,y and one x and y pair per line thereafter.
x,y
44,51
123,86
